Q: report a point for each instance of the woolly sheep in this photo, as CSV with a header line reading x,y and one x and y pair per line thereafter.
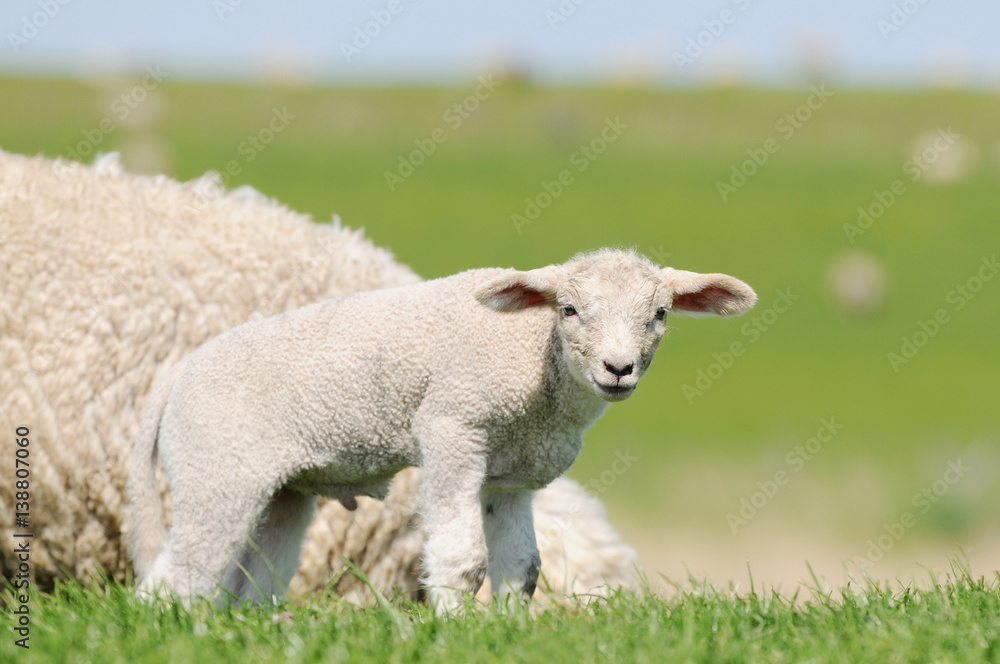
x,y
486,380
110,278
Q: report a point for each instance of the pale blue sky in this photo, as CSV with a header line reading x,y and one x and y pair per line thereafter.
x,y
766,41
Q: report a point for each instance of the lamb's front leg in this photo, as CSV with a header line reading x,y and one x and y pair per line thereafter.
x,y
454,550
510,539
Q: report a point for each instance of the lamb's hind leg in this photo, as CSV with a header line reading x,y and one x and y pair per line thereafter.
x,y
273,557
210,528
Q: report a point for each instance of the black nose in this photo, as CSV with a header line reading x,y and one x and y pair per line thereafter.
x,y
618,371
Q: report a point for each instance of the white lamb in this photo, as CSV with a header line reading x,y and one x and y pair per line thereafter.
x,y
486,379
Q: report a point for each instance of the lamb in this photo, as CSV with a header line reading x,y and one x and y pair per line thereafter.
x,y
111,278
486,380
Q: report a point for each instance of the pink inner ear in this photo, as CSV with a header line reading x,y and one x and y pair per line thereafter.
x,y
711,298
520,296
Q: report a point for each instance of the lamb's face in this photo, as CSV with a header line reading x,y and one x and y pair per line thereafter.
x,y
612,315
612,310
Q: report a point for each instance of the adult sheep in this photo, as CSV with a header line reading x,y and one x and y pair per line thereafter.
x,y
108,279
486,379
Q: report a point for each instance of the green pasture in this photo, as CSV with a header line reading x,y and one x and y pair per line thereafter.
x,y
957,620
654,186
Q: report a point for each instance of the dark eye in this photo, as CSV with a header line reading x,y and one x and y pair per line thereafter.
x,y
568,310
661,313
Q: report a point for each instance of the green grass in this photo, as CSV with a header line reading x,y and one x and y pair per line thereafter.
x,y
957,620
655,188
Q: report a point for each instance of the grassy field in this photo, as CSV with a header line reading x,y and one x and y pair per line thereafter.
x,y
957,620
655,185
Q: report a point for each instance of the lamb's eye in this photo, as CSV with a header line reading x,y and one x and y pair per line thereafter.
x,y
568,310
661,313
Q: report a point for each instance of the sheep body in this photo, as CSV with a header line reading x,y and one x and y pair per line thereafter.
x,y
109,279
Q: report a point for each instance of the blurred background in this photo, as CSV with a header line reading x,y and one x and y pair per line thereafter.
x,y
842,158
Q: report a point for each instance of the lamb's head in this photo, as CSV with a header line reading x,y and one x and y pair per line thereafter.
x,y
612,309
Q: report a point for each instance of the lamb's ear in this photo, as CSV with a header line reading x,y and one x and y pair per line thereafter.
x,y
708,294
515,290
